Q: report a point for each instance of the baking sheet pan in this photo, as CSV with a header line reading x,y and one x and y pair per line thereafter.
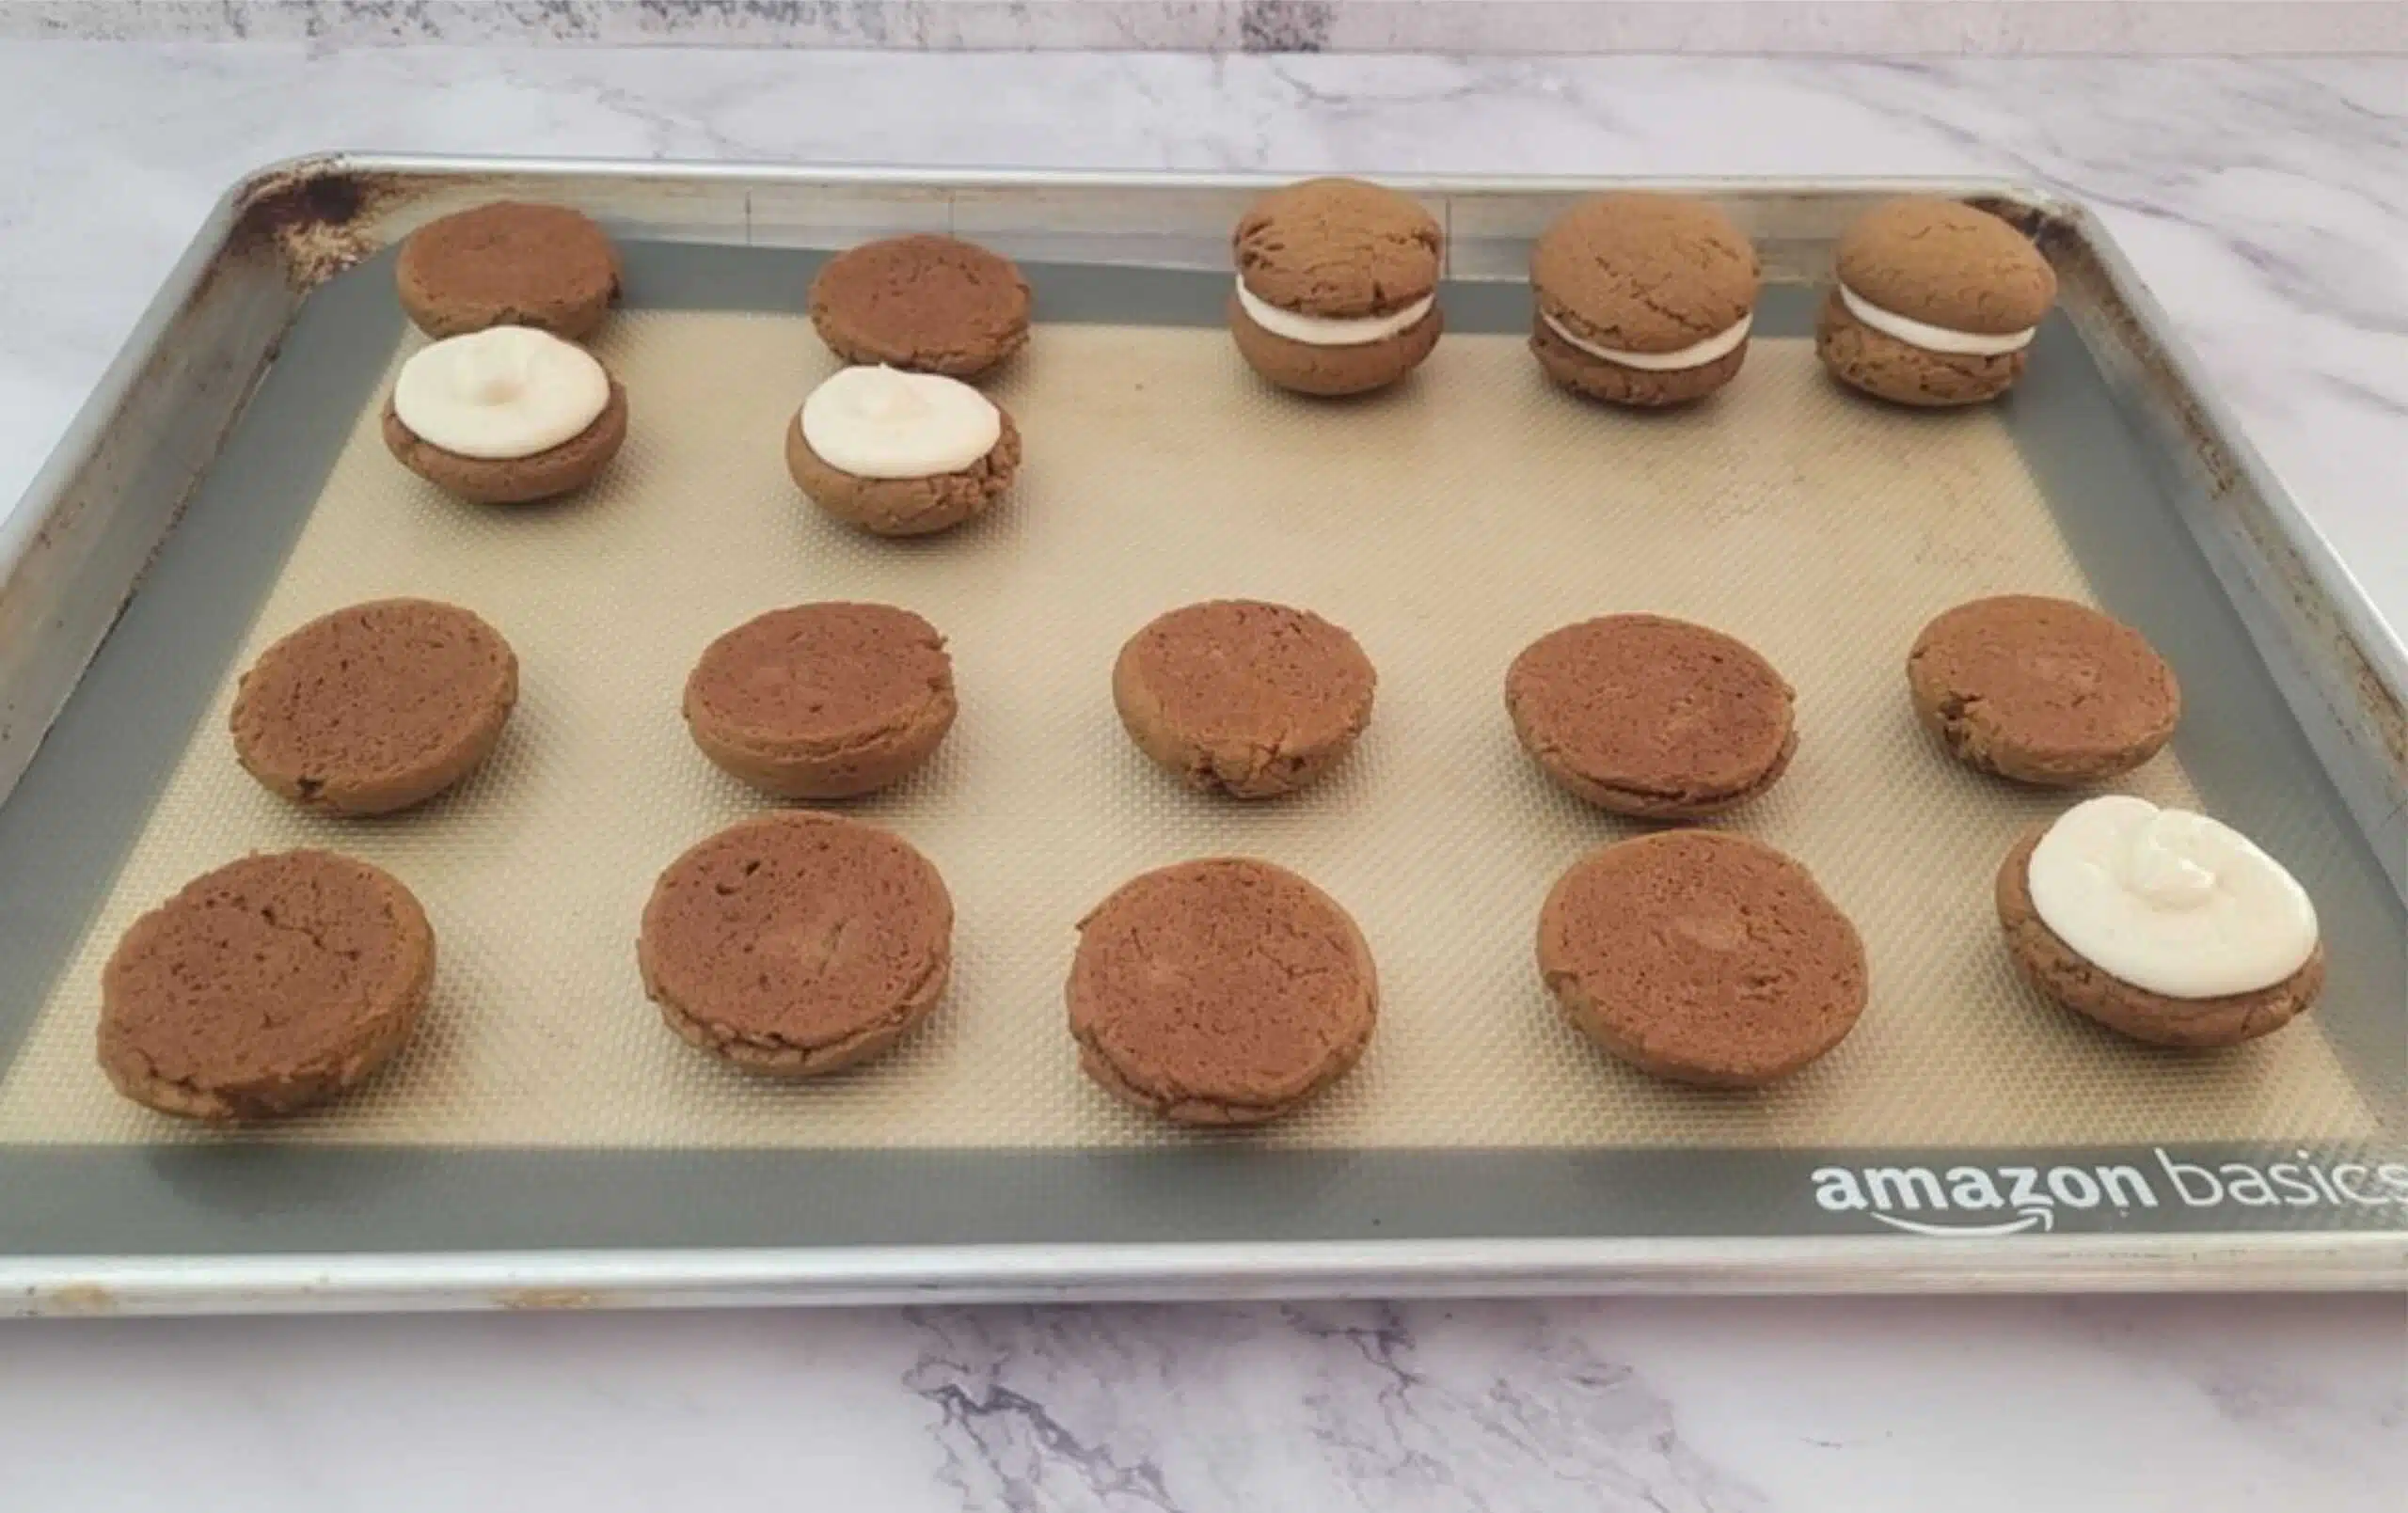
x,y
544,1107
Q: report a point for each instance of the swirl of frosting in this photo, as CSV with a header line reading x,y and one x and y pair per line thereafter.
x,y
507,392
882,422
2170,901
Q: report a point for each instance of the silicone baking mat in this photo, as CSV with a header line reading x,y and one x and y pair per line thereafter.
x,y
1446,524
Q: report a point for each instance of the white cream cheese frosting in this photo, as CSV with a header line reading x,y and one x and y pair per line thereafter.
x,y
882,422
500,394
2169,901
1329,331
1713,349
1933,338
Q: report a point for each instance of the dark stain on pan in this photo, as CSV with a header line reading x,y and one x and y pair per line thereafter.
x,y
311,217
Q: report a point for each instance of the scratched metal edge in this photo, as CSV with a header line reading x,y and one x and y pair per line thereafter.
x,y
539,1280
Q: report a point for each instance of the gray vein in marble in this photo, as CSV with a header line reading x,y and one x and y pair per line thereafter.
x,y
1144,1409
1953,27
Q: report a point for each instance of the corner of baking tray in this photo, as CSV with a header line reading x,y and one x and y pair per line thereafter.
x,y
2377,674
316,213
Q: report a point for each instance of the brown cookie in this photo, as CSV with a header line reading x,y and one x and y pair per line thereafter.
x,y
554,471
376,707
905,506
1240,698
1701,957
1337,250
1647,274
1651,718
797,943
269,985
2060,973
2042,690
1220,992
508,263
931,304
822,701
1937,263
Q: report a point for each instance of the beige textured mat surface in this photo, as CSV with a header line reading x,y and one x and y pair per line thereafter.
x,y
1445,525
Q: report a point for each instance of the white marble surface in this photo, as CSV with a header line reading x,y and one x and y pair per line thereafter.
x,y
1821,27
2267,202
2196,1405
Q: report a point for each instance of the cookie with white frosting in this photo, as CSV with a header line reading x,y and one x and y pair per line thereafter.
x,y
505,416
1936,303
1337,286
1643,299
2162,925
901,454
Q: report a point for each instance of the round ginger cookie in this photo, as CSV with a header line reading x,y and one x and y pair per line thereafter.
x,y
929,303
263,988
822,701
508,263
1946,264
1701,957
1220,992
1651,718
2063,975
797,943
1643,299
1242,697
1337,286
1936,303
2042,690
906,506
376,707
1337,248
545,475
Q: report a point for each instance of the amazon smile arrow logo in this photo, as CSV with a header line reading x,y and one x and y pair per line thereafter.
x,y
2028,1219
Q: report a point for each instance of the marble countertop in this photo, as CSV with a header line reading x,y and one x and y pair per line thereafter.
x,y
2266,202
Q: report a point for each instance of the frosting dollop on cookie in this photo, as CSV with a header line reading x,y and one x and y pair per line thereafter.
x,y
508,392
2170,901
882,422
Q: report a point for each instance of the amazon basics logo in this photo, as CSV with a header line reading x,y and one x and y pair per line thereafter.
x,y
2010,1200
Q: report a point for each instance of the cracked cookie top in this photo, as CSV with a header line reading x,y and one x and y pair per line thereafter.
x,y
266,985
1338,249
1947,265
1222,991
1243,698
1644,273
2042,690
797,942
374,707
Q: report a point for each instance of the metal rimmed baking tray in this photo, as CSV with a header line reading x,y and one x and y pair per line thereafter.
x,y
546,1144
